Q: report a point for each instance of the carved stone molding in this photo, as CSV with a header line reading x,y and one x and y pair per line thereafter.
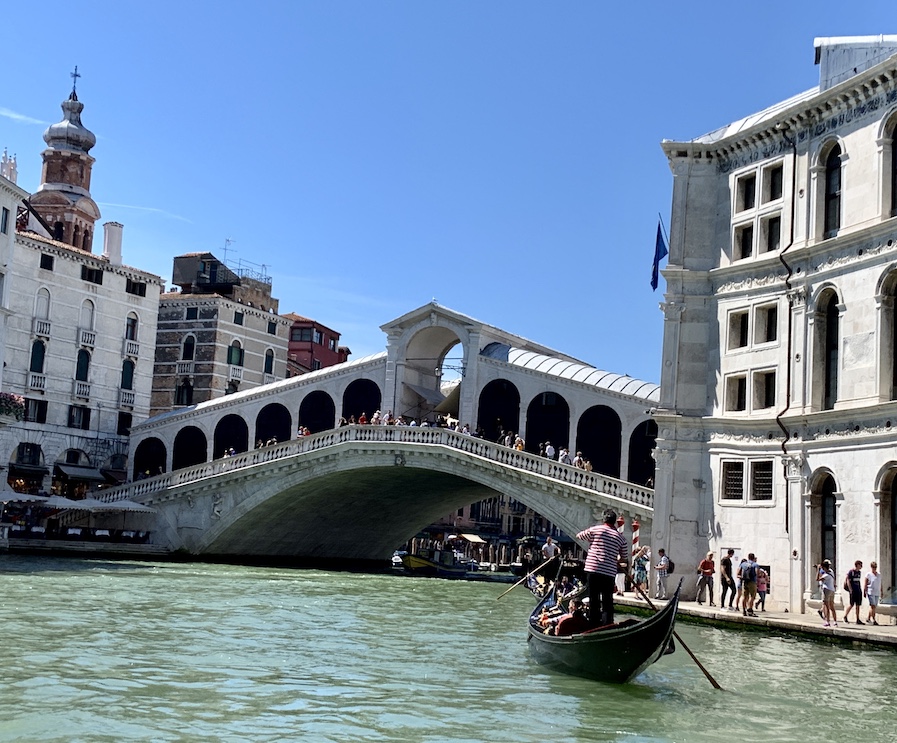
x,y
672,310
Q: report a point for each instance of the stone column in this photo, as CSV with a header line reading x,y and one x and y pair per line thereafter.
x,y
798,519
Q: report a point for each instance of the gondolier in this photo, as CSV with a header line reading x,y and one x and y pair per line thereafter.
x,y
606,547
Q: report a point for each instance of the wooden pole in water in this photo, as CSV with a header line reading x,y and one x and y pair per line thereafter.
x,y
684,646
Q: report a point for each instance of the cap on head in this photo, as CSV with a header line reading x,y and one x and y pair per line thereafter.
x,y
826,562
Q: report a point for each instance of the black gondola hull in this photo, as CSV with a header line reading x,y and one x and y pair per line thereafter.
x,y
617,654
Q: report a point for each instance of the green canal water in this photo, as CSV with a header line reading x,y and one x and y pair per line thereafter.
x,y
129,651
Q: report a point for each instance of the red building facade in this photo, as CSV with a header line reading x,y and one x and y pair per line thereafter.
x,y
312,346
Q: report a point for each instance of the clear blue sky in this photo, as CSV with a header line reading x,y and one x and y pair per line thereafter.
x,y
503,157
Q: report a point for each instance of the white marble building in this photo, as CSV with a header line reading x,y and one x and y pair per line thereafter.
x,y
782,274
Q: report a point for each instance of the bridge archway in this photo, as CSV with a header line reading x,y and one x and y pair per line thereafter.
x,y
426,361
361,396
499,409
190,447
273,422
149,456
547,419
641,448
317,412
599,436
230,433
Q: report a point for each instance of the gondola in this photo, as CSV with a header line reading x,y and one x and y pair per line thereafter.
x,y
616,653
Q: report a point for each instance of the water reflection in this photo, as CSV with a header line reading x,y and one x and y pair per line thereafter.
x,y
101,651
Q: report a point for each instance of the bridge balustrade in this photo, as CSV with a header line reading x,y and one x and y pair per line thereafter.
x,y
522,460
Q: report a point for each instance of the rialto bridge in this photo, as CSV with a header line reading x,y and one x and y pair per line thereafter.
x,y
231,477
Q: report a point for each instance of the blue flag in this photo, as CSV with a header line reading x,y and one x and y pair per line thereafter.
x,y
660,251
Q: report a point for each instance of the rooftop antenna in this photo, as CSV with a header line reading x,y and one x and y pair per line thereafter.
x,y
74,75
227,243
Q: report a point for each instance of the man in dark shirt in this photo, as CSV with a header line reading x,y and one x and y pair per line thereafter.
x,y
727,582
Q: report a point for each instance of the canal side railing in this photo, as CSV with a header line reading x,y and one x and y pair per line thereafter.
x,y
404,435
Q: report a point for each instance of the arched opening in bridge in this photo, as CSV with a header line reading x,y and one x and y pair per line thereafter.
x,y
190,447
434,366
641,446
547,420
599,436
361,396
230,433
317,412
273,422
499,409
149,457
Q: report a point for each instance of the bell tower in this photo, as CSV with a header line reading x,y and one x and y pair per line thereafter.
x,y
64,199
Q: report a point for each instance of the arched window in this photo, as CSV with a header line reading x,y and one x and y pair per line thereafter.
x,y
830,375
127,375
87,315
829,522
82,367
76,236
188,349
832,220
269,361
131,327
38,351
59,232
42,305
183,395
235,354
85,244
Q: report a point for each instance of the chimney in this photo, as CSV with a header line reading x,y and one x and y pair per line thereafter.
x,y
112,242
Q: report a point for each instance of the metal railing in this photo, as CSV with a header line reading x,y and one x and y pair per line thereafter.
x,y
630,492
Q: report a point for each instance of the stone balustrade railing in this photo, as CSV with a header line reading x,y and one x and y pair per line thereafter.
x,y
404,435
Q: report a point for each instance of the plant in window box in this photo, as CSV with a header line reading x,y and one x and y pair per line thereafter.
x,y
12,406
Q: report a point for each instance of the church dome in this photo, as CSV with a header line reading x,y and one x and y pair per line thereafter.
x,y
70,133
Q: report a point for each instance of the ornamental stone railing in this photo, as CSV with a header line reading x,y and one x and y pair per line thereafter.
x,y
406,436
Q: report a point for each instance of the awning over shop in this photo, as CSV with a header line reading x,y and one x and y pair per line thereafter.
x,y
474,538
434,397
115,476
452,403
27,470
77,472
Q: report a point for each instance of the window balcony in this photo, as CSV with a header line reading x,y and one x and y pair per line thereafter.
x,y
87,337
131,348
81,389
126,398
41,327
235,372
37,381
184,368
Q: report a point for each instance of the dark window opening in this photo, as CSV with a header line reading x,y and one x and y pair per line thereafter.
x,y
733,480
135,287
192,313
761,480
46,262
35,411
93,275
832,215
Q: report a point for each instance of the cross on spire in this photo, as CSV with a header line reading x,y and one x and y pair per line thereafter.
x,y
74,75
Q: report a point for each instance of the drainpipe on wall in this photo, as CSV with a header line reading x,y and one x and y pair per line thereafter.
x,y
786,434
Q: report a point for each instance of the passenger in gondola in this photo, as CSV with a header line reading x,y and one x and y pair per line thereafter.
x,y
606,548
574,622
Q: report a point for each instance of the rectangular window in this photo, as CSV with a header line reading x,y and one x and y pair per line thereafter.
x,y
4,221
272,327
315,364
766,324
235,356
332,344
238,318
46,262
772,234
79,417
319,339
736,393
738,330
733,481
773,179
761,480
192,313
35,411
28,453
744,242
300,334
137,288
747,192
93,275
124,424
764,390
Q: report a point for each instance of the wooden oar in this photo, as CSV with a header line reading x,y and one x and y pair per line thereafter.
x,y
525,577
682,643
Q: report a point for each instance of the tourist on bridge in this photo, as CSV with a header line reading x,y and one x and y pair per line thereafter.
x,y
606,548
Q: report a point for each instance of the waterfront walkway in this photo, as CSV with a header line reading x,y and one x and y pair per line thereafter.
x,y
810,625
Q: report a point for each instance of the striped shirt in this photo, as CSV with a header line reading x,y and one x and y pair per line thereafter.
x,y
606,545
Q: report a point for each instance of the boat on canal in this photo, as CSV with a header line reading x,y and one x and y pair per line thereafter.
x,y
438,563
616,653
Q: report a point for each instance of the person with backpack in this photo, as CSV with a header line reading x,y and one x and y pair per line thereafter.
x,y
748,574
853,584
662,567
